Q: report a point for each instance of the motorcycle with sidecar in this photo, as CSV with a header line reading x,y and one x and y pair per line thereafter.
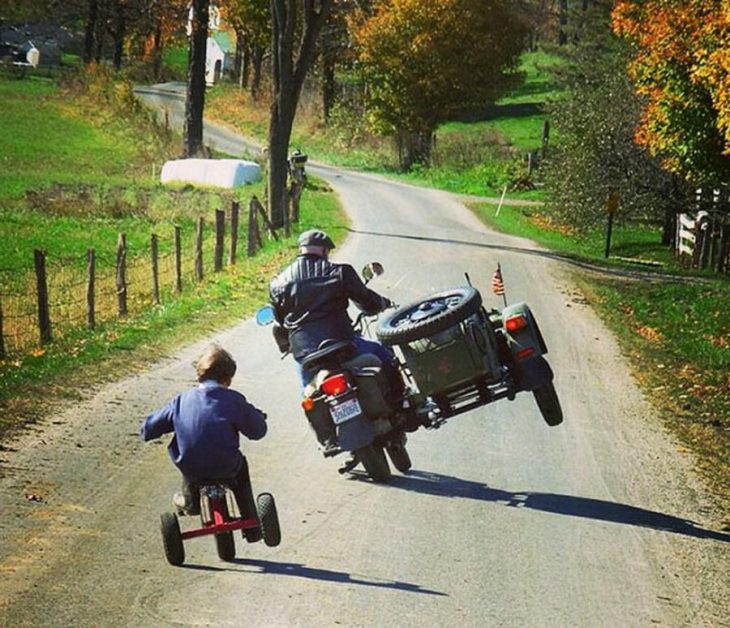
x,y
454,355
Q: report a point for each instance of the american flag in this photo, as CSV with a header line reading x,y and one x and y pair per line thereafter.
x,y
497,282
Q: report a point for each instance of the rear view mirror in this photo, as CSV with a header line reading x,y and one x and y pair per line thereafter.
x,y
373,269
265,315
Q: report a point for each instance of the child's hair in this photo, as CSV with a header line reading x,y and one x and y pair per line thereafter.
x,y
215,363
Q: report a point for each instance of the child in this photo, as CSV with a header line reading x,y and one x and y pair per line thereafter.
x,y
206,421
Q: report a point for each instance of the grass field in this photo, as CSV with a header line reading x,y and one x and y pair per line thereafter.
x,y
72,180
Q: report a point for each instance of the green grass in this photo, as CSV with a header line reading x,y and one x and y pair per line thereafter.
x,y
639,242
677,337
71,180
46,139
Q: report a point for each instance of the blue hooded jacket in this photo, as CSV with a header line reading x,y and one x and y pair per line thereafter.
x,y
206,421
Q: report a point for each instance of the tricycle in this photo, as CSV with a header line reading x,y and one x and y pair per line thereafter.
x,y
219,516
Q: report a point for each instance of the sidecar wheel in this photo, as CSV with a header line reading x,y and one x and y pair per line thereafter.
x,y
398,455
375,463
172,539
549,404
269,519
429,316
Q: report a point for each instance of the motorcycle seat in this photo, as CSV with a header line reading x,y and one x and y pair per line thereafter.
x,y
340,350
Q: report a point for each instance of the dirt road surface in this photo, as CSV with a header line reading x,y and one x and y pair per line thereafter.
x,y
503,521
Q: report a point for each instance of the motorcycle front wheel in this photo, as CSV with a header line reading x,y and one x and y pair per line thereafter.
x,y
375,463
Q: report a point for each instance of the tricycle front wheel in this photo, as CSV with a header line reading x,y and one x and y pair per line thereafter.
x,y
224,542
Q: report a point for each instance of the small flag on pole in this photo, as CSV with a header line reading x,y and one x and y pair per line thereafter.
x,y
498,284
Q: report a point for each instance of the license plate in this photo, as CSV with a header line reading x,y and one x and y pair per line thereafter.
x,y
345,411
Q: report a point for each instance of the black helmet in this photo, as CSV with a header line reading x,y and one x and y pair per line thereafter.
x,y
315,237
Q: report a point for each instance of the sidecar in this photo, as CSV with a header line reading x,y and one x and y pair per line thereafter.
x,y
459,356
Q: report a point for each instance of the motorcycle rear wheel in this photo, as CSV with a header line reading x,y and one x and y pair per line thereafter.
x,y
375,463
549,404
399,456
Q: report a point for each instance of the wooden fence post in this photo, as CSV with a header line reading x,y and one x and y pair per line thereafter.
x,y
220,227
252,236
255,202
44,317
199,250
122,274
90,288
155,252
234,233
178,261
2,337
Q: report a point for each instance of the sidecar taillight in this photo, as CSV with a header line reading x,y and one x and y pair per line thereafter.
x,y
515,323
334,385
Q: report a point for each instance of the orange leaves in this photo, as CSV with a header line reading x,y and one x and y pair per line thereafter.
x,y
681,63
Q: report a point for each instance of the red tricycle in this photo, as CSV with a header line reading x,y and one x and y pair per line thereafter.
x,y
220,516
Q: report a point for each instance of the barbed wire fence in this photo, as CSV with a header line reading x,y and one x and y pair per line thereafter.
x,y
55,297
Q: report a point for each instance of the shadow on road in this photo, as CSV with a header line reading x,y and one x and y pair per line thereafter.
x,y
312,573
569,505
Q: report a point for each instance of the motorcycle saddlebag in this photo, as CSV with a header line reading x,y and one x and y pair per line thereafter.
x,y
321,422
371,390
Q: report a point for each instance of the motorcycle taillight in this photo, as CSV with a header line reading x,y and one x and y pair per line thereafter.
x,y
335,385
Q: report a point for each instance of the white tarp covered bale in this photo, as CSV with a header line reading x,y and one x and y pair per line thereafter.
x,y
221,173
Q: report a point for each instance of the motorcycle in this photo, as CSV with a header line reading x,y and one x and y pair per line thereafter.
x,y
454,356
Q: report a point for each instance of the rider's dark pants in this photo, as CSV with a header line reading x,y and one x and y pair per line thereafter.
x,y
240,484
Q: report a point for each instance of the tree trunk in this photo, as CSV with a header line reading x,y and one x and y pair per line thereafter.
x,y
328,85
100,33
195,101
257,60
120,30
563,19
414,147
157,51
90,30
289,69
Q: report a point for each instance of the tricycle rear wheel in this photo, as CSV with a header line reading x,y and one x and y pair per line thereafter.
x,y
172,539
549,404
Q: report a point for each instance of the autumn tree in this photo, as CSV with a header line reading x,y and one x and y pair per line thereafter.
x,y
595,155
681,67
429,61
296,25
195,99
251,21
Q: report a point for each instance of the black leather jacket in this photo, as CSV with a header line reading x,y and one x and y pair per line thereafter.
x,y
310,299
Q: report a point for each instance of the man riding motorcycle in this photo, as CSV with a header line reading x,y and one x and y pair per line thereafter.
x,y
310,299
